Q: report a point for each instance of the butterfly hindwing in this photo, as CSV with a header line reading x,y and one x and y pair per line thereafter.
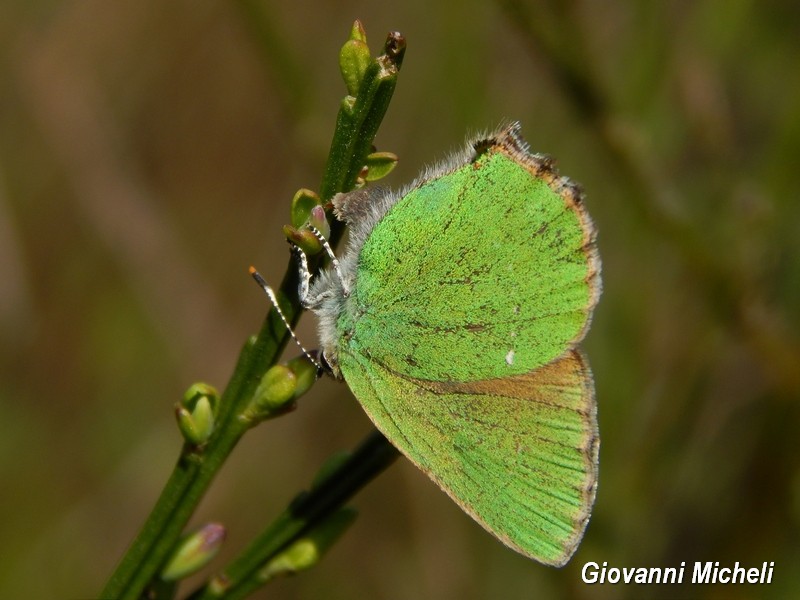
x,y
518,454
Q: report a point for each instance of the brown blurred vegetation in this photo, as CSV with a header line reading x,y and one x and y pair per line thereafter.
x,y
148,152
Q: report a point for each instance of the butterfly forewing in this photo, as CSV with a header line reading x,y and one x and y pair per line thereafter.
x,y
482,273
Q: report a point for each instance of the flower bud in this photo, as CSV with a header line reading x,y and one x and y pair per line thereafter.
x,y
307,551
358,32
273,396
196,413
305,373
354,58
303,239
194,552
319,220
304,200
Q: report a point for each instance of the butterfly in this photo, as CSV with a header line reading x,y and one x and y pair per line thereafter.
x,y
455,316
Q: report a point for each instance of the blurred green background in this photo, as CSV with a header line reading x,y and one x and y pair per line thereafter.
x,y
148,153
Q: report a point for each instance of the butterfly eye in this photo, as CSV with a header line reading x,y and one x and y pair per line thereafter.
x,y
329,364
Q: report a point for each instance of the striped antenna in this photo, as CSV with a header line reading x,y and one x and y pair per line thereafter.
x,y
274,300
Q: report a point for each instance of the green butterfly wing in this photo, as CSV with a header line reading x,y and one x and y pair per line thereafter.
x,y
487,271
518,454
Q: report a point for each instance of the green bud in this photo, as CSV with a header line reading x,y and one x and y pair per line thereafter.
x,y
305,372
358,32
380,164
302,203
354,58
194,552
196,426
196,413
197,391
309,549
274,394
304,239
277,387
319,221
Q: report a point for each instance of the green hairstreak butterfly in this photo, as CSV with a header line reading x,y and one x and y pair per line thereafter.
x,y
455,316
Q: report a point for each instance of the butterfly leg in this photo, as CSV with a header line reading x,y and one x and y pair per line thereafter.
x,y
304,273
305,276
334,261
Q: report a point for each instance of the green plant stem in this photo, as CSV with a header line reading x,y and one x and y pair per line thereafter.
x,y
241,577
196,468
357,125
